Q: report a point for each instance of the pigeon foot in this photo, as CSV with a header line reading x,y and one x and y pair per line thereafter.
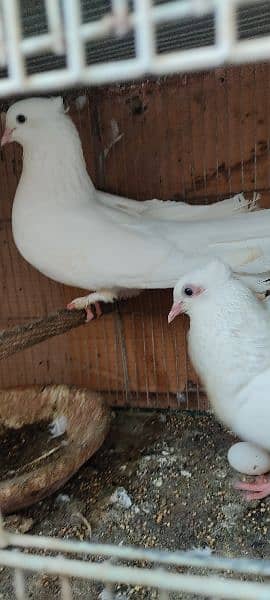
x,y
85,302
89,313
258,489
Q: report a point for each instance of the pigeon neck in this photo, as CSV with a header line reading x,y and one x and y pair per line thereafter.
x,y
58,167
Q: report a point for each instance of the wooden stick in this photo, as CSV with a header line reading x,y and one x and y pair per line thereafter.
x,y
23,336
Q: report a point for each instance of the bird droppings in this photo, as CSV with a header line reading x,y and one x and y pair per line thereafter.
x,y
185,473
121,498
158,482
62,499
202,511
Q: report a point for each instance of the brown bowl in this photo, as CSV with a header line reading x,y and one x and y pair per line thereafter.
x,y
33,463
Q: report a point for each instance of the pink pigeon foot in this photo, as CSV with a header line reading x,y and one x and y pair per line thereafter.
x,y
258,489
98,309
89,313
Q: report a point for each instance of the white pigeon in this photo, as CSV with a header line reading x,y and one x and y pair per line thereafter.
x,y
229,345
85,238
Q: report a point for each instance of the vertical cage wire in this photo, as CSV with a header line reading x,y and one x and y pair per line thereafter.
x,y
15,58
255,127
75,52
19,585
120,14
66,589
163,595
226,26
2,39
55,25
144,33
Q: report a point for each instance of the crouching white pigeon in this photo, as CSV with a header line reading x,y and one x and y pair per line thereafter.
x,y
229,345
79,236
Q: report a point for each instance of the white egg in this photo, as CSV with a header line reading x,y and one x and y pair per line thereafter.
x,y
249,459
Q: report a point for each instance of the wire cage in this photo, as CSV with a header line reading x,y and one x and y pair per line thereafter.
x,y
111,567
199,135
65,46
212,141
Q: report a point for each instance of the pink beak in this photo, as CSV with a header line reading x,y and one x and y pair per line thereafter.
x,y
7,136
177,309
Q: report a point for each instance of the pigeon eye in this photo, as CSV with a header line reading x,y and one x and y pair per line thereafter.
x,y
20,119
188,291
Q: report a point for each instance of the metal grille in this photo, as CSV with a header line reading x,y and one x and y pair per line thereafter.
x,y
107,564
51,44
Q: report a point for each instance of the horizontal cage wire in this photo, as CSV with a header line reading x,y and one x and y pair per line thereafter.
x,y
48,44
161,574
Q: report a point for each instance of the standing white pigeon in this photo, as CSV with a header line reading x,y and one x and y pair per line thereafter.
x,y
79,236
229,345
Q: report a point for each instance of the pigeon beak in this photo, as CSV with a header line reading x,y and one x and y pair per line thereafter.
x,y
7,136
177,309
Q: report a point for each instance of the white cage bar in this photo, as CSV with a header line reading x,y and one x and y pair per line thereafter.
x,y
161,574
67,36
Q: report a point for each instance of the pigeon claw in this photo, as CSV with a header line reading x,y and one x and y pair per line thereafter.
x,y
256,490
98,309
89,313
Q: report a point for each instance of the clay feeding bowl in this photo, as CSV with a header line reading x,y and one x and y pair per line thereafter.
x,y
33,462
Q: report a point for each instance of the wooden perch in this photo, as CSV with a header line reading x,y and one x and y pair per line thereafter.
x,y
23,336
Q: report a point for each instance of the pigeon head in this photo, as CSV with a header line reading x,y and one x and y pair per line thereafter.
x,y
194,287
28,119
